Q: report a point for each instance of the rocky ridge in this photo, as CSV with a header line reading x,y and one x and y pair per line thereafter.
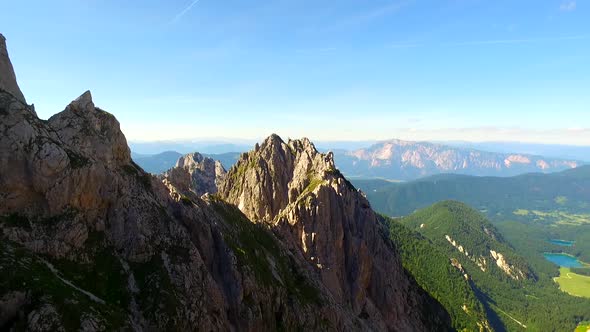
x,y
89,241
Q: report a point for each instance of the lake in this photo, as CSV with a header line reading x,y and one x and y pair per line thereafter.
x,y
562,242
562,260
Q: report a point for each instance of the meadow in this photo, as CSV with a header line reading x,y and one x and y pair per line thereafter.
x,y
572,283
556,217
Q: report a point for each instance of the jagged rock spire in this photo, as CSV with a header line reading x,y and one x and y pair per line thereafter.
x,y
7,76
92,130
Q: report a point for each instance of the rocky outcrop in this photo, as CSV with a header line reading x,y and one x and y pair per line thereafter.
x,y
479,261
7,77
196,174
509,269
300,194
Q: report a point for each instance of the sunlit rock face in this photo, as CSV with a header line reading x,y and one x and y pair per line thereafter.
x,y
321,216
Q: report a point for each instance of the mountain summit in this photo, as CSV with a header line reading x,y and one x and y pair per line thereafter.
x,y
321,217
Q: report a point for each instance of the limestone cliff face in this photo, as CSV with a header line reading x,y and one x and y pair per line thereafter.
x,y
7,76
194,173
321,216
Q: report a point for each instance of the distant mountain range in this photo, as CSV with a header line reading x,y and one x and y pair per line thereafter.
x,y
400,160
405,160
547,150
182,147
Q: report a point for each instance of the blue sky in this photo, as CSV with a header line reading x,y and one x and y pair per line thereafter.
x,y
330,70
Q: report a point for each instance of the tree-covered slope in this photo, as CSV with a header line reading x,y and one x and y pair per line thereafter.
x,y
566,191
515,295
459,228
440,276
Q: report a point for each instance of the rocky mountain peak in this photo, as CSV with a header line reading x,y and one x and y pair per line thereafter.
x,y
7,75
82,103
191,160
274,174
298,192
95,132
194,173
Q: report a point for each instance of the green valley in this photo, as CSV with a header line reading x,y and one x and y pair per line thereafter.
x,y
513,289
548,198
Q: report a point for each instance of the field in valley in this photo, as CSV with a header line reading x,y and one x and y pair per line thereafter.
x,y
572,283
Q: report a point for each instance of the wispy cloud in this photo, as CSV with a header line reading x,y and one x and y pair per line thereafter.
x,y
183,12
370,15
567,6
380,11
490,42
516,41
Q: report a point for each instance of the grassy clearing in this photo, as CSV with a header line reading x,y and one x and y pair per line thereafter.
x,y
555,217
572,283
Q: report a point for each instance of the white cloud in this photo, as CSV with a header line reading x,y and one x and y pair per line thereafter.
x,y
567,6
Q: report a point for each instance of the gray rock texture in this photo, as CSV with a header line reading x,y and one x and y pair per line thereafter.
x,y
196,174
